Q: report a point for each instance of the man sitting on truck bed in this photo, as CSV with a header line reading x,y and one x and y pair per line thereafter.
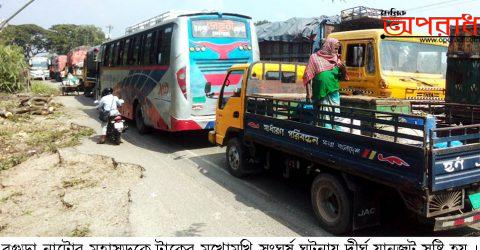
x,y
325,69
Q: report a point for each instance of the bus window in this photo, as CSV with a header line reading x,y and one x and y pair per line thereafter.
x,y
163,45
121,49
153,48
136,50
106,55
130,52
287,77
370,59
110,55
355,55
126,50
113,59
159,47
147,48
118,52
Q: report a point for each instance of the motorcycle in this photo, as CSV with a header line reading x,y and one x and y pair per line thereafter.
x,y
115,125
115,128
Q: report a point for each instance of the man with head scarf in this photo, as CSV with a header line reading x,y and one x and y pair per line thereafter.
x,y
322,76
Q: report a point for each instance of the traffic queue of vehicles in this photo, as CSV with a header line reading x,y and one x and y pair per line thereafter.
x,y
192,71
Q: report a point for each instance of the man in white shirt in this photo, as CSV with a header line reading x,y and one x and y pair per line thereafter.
x,y
109,103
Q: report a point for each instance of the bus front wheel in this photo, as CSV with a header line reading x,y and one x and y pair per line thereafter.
x,y
332,204
139,121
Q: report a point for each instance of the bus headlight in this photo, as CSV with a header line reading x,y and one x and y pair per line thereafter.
x,y
203,49
192,49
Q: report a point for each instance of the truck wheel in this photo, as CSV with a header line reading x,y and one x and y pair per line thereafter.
x,y
332,204
236,158
139,122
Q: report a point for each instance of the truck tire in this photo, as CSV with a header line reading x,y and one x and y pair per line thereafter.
x,y
236,159
139,121
332,204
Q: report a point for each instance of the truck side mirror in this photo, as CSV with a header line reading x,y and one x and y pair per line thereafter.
x,y
208,88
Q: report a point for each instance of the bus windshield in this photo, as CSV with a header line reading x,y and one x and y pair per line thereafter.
x,y
223,28
412,57
39,64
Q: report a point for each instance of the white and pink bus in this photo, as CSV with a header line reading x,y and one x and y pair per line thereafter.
x,y
162,67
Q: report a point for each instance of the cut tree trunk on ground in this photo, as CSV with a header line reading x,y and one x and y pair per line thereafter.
x,y
37,105
5,114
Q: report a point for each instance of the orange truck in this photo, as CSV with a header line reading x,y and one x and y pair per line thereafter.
x,y
75,60
59,64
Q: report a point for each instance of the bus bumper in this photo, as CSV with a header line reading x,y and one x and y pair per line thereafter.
x,y
192,124
457,221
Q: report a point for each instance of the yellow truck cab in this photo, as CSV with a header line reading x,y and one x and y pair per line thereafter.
x,y
230,108
398,67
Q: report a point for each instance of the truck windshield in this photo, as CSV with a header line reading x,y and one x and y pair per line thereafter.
x,y
412,57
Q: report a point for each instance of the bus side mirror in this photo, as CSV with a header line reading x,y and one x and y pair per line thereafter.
x,y
30,62
208,88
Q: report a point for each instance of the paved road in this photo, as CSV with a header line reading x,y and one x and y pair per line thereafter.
x,y
187,191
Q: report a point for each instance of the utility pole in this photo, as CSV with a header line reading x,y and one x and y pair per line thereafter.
x,y
109,28
2,24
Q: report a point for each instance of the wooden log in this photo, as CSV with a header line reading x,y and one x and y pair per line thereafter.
x,y
21,110
25,102
41,99
6,114
40,112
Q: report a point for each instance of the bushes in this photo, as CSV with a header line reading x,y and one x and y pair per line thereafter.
x,y
12,69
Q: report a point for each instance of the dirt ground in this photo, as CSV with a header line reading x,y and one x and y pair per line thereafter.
x,y
47,188
67,194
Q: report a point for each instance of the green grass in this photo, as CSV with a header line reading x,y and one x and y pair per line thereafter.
x,y
42,88
75,138
12,161
80,231
47,141
73,182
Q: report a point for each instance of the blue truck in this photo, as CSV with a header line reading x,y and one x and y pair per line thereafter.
x,y
357,158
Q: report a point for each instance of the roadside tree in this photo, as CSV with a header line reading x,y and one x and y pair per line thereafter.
x,y
30,37
64,37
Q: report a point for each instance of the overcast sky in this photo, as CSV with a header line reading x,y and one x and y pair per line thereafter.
x,y
122,13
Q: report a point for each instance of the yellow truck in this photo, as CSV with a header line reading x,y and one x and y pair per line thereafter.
x,y
394,67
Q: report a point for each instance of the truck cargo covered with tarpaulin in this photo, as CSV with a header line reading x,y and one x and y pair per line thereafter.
x,y
292,40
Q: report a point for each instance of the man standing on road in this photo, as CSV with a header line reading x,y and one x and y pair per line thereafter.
x,y
322,78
